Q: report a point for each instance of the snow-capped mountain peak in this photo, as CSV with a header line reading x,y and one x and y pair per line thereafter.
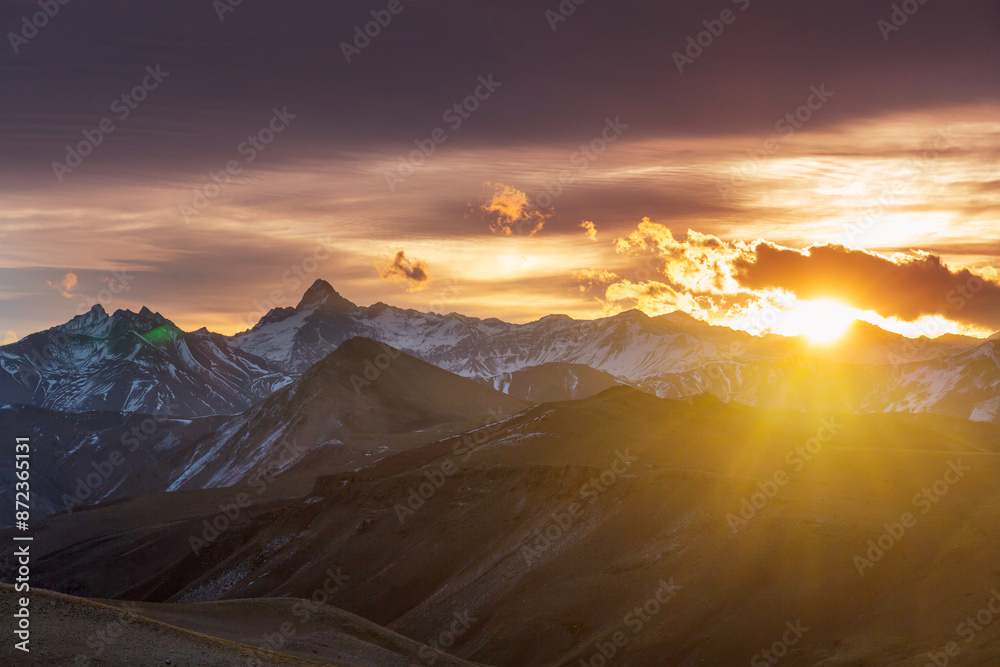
x,y
321,293
94,323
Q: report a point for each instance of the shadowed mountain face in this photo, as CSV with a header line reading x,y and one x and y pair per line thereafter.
x,y
723,525
361,403
84,458
133,362
554,382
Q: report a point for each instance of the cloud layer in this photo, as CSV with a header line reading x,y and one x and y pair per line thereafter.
x,y
904,286
720,280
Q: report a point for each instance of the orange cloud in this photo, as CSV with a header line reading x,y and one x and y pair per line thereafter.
x,y
411,271
903,286
589,229
719,280
65,286
511,212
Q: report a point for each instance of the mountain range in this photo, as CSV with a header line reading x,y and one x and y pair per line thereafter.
x,y
376,486
141,362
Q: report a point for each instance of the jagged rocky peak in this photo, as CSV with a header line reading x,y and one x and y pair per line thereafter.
x,y
141,322
93,322
321,293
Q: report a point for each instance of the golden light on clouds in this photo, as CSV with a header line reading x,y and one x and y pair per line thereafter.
x,y
817,292
65,286
876,184
512,212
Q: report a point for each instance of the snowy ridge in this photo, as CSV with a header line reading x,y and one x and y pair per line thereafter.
x,y
142,362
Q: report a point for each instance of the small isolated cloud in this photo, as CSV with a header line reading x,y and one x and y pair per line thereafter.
x,y
511,212
11,337
589,229
399,267
65,286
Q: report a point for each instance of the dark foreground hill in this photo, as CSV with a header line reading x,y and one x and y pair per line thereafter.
x,y
251,633
689,532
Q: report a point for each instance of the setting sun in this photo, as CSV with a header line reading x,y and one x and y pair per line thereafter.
x,y
821,321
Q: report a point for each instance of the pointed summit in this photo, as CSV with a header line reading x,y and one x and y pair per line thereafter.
x,y
322,294
126,321
92,323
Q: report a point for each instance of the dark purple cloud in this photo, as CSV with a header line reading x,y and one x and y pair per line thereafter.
x,y
226,76
904,286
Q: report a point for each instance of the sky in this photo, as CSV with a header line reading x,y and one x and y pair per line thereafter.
x,y
210,159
